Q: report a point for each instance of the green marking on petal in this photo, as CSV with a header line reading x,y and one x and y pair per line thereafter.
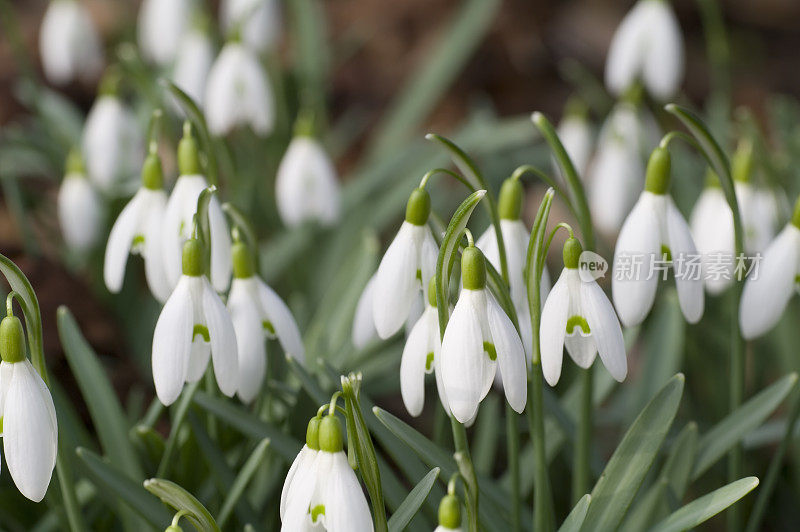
x,y
666,252
267,326
797,279
1,426
578,321
316,511
202,330
490,350
429,361
419,275
138,240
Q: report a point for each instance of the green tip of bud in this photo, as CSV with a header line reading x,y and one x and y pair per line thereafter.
x,y
193,258
152,174
188,152
243,263
510,203
12,340
658,171
572,253
432,292
796,213
742,164
330,434
473,269
418,208
74,164
450,512
312,433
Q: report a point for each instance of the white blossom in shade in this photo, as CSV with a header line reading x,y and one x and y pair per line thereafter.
x,y
647,46
257,313
138,230
80,212
302,464
160,28
193,63
257,21
761,210
306,186
478,338
578,315
575,133
69,43
30,428
711,223
193,326
364,331
112,145
238,93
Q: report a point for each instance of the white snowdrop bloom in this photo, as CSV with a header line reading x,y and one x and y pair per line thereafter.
x,y
768,288
575,133
654,236
193,326
410,258
258,312
306,186
647,46
711,223
578,315
327,495
138,231
303,462
449,513
364,331
80,209
179,214
257,21
238,92
69,43
30,429
160,28
112,143
193,63
478,338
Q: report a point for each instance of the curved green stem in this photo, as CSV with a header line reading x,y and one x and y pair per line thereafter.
x,y
430,173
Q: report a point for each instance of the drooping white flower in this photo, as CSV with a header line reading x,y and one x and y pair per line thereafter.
x,y
655,236
478,338
193,63
257,21
327,495
138,230
303,462
575,133
306,186
578,315
711,223
363,331
238,92
69,43
179,214
647,46
30,428
768,288
160,28
410,258
80,209
193,326
258,312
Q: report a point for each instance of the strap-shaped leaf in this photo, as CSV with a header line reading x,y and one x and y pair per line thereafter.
x,y
577,515
242,480
412,503
180,499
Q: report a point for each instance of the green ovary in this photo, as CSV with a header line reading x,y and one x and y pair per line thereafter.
x,y
578,321
490,350
429,362
201,330
316,511
267,326
666,253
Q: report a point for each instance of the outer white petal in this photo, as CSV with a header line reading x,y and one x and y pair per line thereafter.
x,y
221,261
576,136
626,53
6,372
279,315
639,237
346,508
69,43
258,104
487,243
181,207
428,255
120,241
510,355
160,27
553,329
153,251
396,283
192,64
615,179
246,318
690,287
412,364
299,493
606,331
223,341
663,61
306,185
766,294
112,145
80,212
302,462
363,322
261,21
172,342
712,231
222,100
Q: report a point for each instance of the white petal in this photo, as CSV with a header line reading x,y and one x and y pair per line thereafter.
x,y
192,64
605,329
30,432
223,341
396,283
663,61
346,508
221,96
576,136
299,494
579,344
712,231
626,53
154,268
259,21
413,365
221,261
766,294
258,102
112,145
181,207
363,322
245,314
172,341
510,355
615,179
120,241
160,27
6,372
199,355
428,256
690,286
553,329
306,185
302,462
487,243
80,212
279,315
69,43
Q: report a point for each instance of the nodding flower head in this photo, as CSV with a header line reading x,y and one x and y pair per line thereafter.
x,y
69,43
258,22
160,28
80,208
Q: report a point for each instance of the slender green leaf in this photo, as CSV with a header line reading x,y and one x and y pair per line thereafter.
x,y
412,503
240,484
574,520
187,396
678,466
643,513
180,499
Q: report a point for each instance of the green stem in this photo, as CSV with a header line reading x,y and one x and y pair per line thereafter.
x,y
465,467
735,457
512,442
580,471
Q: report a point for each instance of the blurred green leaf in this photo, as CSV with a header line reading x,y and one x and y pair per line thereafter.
x,y
242,479
416,498
180,499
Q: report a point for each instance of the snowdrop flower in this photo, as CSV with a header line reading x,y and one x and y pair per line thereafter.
x,y
193,63
257,312
30,429
69,43
578,315
449,513
112,140
178,217
769,287
161,25
575,133
410,258
306,186
647,46
326,495
238,93
194,326
364,331
654,235
138,231
303,463
515,239
478,337
80,209
258,22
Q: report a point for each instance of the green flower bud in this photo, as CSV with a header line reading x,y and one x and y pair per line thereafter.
x,y
12,340
450,512
152,174
473,269
330,434
418,207
243,263
193,259
312,433
658,171
188,152
572,253
510,203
